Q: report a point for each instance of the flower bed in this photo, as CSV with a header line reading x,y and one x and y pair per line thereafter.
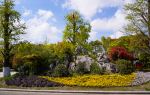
x,y
31,81
95,80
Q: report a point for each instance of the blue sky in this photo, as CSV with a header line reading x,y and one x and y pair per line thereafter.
x,y
45,18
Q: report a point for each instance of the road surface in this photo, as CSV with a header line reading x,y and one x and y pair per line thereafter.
x,y
46,93
1,74
67,92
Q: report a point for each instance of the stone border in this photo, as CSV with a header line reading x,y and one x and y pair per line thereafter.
x,y
141,78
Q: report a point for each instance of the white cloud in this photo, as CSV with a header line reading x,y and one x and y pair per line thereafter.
x,y
17,1
45,15
39,28
93,36
113,24
88,8
117,34
27,12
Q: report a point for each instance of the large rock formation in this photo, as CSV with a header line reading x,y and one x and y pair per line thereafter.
x,y
102,60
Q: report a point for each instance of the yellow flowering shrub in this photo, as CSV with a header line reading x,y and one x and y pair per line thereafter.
x,y
95,80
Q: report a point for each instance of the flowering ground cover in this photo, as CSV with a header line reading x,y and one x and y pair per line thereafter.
x,y
113,80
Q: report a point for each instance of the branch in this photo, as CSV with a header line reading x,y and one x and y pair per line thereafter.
x,y
143,17
140,30
2,53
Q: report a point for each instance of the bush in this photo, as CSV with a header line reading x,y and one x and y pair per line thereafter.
x,y
81,68
145,60
124,66
95,69
31,81
32,65
60,71
116,53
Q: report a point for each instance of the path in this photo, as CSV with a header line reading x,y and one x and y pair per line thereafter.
x,y
1,74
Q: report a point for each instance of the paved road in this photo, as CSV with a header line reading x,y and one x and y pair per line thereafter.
x,y
1,74
6,91
47,93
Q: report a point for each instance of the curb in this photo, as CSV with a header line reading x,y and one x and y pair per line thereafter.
x,y
75,91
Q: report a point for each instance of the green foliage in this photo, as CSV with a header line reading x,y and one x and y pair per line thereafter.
x,y
43,55
124,66
106,42
64,52
95,46
77,30
139,19
96,69
81,68
32,65
145,60
25,50
60,71
25,69
10,29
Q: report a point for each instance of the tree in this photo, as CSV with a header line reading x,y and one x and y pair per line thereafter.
x,y
96,46
10,29
106,42
77,30
138,15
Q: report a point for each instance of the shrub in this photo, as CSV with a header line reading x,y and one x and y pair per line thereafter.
x,y
116,53
41,55
32,65
124,66
96,69
145,60
60,71
24,69
81,68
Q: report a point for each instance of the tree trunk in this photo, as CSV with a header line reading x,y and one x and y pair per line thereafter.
x,y
149,20
6,53
6,71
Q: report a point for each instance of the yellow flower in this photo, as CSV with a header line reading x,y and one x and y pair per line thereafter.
x,y
95,80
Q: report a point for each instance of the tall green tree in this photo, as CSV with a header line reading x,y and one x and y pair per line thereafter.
x,y
138,15
77,29
10,29
106,42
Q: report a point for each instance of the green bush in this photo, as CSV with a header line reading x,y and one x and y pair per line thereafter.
x,y
95,69
32,65
124,66
81,68
24,69
43,55
60,71
145,59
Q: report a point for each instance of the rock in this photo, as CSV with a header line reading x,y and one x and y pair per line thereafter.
x,y
110,67
82,59
141,77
